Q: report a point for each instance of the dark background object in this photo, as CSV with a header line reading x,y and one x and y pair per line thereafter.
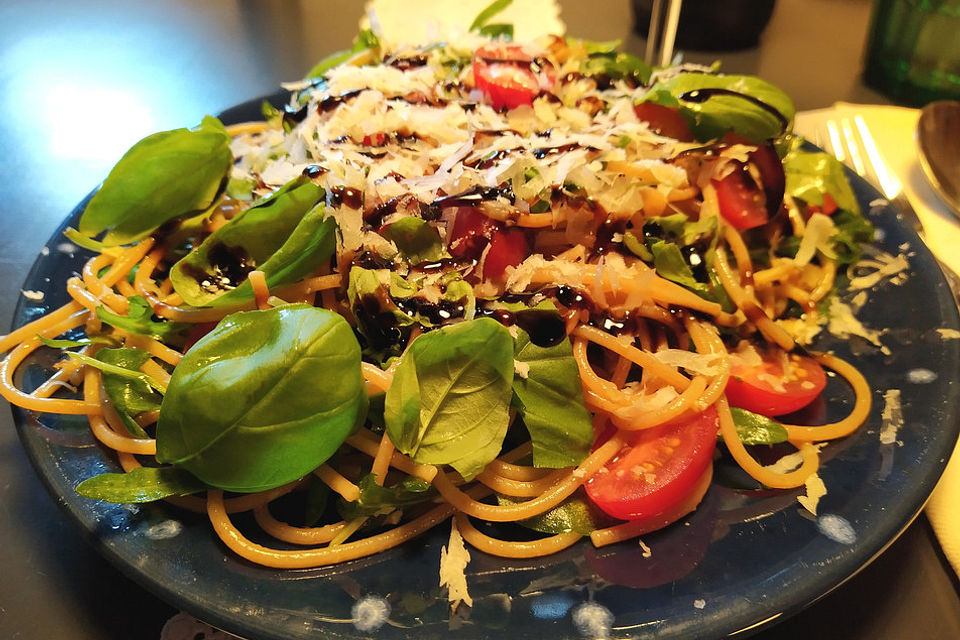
x,y
713,25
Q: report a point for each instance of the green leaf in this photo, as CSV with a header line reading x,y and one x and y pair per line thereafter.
x,y
165,176
720,114
117,370
576,514
365,41
669,262
377,500
129,396
497,30
617,65
636,246
241,188
488,12
449,401
550,400
318,494
264,398
284,235
416,239
852,230
63,344
810,174
756,429
143,484
139,319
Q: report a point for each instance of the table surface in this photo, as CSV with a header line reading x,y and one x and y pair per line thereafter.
x,y
81,81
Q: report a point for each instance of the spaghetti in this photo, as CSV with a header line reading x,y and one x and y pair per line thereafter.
x,y
671,267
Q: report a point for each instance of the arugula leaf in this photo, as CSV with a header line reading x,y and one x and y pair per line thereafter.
x,y
284,235
497,30
117,370
488,12
143,484
448,403
366,41
264,398
416,239
550,400
129,396
810,174
318,494
669,262
756,429
637,247
722,113
139,319
852,230
63,344
377,500
165,176
617,65
576,514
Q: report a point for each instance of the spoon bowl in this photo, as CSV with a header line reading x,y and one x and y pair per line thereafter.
x,y
938,136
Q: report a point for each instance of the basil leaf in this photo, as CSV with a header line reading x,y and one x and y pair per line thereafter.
x,y
488,12
283,235
143,484
416,239
550,400
129,396
165,176
365,41
449,401
756,429
576,514
811,174
139,319
264,398
719,114
375,499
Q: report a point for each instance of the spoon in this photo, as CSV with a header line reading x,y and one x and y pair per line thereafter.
x,y
938,135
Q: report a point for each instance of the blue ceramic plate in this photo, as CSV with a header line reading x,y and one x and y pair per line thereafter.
x,y
742,560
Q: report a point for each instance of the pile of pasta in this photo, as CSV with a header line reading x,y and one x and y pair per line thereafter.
x,y
620,370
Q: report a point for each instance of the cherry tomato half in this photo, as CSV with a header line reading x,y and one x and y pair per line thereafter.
x,y
779,384
741,201
508,248
658,469
509,76
470,233
664,120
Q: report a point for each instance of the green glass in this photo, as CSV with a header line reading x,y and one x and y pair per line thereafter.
x,y
913,55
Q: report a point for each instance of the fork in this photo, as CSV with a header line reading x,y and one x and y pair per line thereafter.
x,y
850,141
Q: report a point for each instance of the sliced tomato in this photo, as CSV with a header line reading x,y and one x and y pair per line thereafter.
x,y
664,120
742,202
509,75
829,205
470,233
658,470
779,384
508,248
196,332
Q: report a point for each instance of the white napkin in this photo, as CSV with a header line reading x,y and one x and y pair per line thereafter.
x,y
893,130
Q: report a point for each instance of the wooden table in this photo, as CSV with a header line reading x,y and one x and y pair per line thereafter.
x,y
81,81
